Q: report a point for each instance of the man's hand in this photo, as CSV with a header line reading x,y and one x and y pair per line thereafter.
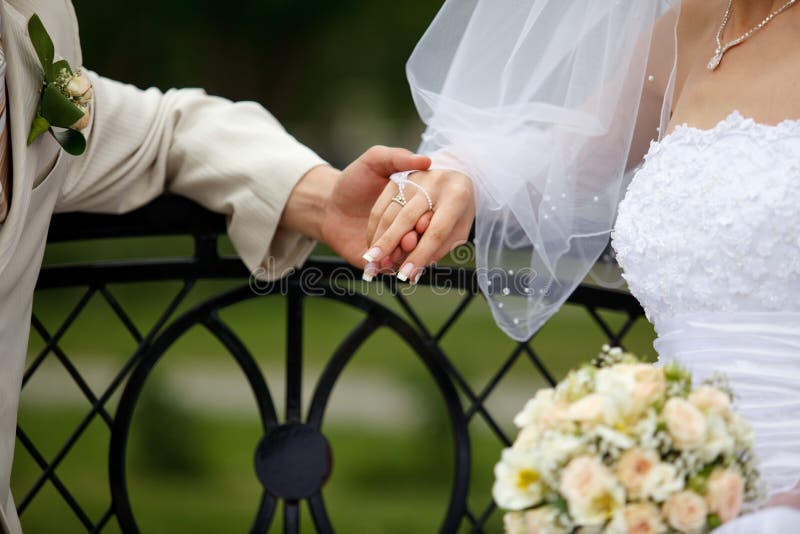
x,y
334,206
345,226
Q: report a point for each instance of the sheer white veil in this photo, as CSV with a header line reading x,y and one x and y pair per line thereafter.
x,y
543,103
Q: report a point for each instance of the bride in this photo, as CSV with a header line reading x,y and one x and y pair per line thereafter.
x,y
677,124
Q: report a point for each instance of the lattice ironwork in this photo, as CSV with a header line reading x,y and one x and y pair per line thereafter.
x,y
299,437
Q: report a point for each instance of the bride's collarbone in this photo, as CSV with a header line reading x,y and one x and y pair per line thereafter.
x,y
759,78
761,90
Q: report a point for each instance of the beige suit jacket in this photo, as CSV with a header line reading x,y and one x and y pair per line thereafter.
x,y
232,158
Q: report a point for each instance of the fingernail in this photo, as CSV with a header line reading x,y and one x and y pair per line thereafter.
x,y
405,272
372,255
417,277
369,272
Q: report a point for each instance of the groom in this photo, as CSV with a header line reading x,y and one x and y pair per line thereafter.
x,y
233,158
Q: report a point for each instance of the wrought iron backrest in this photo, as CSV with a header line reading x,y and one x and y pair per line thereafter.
x,y
298,440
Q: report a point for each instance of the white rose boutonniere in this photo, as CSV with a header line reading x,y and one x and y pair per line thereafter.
x,y
65,106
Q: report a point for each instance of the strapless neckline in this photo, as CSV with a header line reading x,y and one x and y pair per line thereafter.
x,y
708,236
733,123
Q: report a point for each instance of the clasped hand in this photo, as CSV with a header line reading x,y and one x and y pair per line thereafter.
x,y
366,227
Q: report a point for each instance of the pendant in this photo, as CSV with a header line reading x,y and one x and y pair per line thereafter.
x,y
715,61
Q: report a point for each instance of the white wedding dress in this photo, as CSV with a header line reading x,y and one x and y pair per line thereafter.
x,y
708,236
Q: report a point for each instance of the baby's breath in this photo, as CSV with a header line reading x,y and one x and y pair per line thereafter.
x,y
623,425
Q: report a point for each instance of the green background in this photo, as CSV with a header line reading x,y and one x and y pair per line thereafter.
x,y
333,74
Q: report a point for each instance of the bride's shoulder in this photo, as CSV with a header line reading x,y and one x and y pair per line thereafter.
x,y
698,17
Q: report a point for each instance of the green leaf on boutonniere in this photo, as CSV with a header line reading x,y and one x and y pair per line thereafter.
x,y
58,109
39,126
43,45
72,141
57,106
58,66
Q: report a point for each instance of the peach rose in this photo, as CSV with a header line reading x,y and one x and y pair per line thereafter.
x,y
725,494
649,384
685,423
514,523
711,400
643,518
543,520
590,491
634,466
686,511
592,409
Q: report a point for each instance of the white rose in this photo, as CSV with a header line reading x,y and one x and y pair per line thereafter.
x,y
740,430
711,400
616,383
575,385
541,410
643,518
661,481
685,423
617,525
633,468
517,481
594,409
80,87
528,438
590,490
725,494
618,439
552,452
686,511
718,440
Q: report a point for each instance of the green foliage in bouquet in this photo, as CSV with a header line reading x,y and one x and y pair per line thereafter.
x,y
621,445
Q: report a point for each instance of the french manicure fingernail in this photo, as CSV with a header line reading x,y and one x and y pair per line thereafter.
x,y
372,255
405,272
417,277
369,272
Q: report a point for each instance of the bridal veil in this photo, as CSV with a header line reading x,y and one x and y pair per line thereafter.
x,y
547,105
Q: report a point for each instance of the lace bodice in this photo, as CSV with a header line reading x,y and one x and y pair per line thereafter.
x,y
711,222
709,238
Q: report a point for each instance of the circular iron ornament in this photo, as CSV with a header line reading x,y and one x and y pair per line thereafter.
x,y
377,316
205,315
293,461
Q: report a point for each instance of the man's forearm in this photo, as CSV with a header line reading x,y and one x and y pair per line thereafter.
x,y
310,198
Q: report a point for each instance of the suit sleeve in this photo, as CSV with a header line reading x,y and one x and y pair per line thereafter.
x,y
232,158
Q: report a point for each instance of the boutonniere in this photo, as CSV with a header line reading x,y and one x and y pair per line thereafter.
x,y
65,96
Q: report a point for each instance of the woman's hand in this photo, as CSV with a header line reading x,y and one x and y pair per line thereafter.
x,y
335,206
413,227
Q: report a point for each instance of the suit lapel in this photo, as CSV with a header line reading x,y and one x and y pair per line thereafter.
x,y
23,84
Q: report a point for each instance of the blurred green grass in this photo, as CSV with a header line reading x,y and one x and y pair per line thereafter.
x,y
388,479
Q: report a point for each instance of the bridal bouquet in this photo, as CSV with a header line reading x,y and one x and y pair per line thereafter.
x,y
623,446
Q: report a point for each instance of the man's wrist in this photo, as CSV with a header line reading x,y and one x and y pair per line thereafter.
x,y
309,201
